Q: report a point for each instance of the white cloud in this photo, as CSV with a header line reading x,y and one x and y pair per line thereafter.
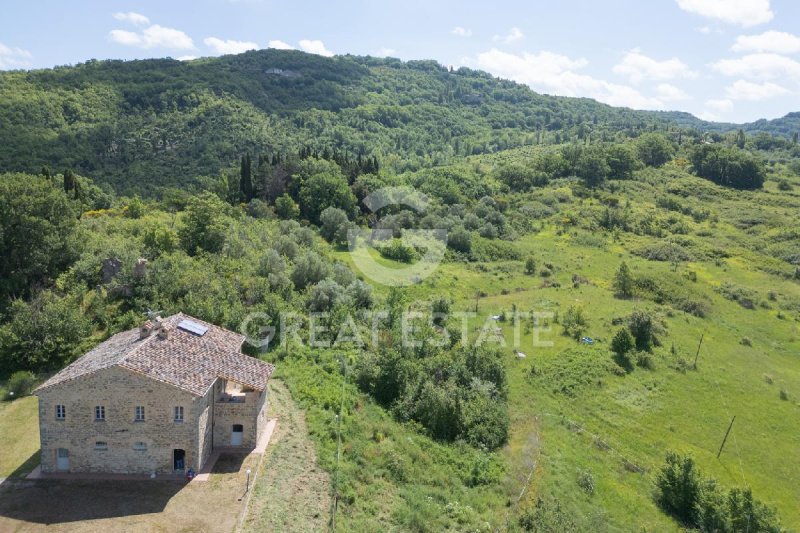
x,y
745,90
770,41
187,58
461,32
315,47
11,58
637,67
514,34
723,105
669,93
134,18
154,36
759,66
385,52
554,73
221,47
741,12
279,45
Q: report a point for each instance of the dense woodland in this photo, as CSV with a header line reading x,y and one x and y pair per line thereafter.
x,y
225,187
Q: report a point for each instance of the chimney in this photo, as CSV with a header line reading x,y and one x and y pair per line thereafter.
x,y
163,332
145,330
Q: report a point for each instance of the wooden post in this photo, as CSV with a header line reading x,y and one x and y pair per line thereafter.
x,y
726,436
696,355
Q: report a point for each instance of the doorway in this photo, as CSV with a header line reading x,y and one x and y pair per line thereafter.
x,y
62,459
179,459
237,435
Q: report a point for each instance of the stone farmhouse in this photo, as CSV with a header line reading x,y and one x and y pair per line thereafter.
x,y
155,399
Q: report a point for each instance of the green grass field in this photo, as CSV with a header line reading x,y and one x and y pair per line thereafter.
x,y
618,428
19,436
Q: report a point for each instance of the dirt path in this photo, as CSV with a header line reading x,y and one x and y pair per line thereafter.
x,y
292,493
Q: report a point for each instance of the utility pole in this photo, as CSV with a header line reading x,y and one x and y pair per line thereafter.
x,y
726,437
696,355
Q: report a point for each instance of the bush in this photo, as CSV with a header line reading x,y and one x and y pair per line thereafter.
x,y
20,383
397,250
286,208
678,488
623,281
622,342
334,225
574,322
585,481
643,330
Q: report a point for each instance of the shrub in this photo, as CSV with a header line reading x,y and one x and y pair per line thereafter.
x,y
334,225
643,330
645,360
397,250
622,342
678,488
286,208
585,481
20,383
574,322
530,266
546,516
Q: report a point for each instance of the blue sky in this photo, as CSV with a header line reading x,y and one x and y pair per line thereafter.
x,y
729,60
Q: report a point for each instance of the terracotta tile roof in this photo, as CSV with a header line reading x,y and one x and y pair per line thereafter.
x,y
183,359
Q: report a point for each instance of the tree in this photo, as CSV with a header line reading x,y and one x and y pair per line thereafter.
x,y
642,328
43,334
678,485
308,270
37,222
334,225
460,240
205,225
740,139
286,208
530,266
654,149
622,160
69,181
622,343
246,179
623,281
326,189
729,167
592,166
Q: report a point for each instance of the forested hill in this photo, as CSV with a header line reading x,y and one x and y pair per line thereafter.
x,y
141,125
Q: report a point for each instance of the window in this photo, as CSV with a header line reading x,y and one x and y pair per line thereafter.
x,y
139,413
61,412
140,446
101,445
178,414
100,412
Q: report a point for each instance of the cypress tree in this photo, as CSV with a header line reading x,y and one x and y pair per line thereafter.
x,y
69,181
246,179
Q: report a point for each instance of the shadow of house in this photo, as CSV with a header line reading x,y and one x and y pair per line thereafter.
x,y
229,463
64,501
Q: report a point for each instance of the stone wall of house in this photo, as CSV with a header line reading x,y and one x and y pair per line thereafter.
x,y
120,391
226,414
205,423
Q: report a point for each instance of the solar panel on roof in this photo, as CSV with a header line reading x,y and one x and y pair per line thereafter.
x,y
193,327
